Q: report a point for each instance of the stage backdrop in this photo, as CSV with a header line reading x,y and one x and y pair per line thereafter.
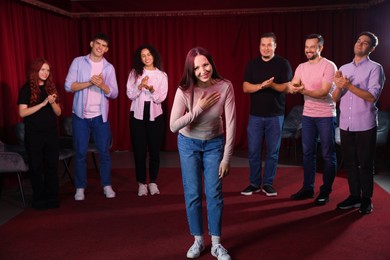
x,y
29,31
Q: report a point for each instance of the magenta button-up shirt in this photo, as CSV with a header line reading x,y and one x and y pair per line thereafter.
x,y
356,114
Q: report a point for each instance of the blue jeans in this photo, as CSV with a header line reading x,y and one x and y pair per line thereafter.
x,y
197,156
81,130
324,128
271,128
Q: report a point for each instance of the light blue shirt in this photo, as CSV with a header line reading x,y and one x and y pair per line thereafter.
x,y
357,114
80,71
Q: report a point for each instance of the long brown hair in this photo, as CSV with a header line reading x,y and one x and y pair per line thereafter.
x,y
188,80
33,77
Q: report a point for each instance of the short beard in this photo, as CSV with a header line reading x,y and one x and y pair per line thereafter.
x,y
313,57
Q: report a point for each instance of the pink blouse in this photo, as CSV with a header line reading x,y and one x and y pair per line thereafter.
x,y
159,80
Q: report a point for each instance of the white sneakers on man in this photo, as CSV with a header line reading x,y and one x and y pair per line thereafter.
x,y
109,192
79,194
106,189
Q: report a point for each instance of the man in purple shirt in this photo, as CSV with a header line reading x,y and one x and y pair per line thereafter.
x,y
92,80
359,85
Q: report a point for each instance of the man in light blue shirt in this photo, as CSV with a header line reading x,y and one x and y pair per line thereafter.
x,y
359,85
92,80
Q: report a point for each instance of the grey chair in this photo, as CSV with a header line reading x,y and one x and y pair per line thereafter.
x,y
66,152
292,128
382,132
13,162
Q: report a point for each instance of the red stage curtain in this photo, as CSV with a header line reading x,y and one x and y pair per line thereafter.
x,y
28,32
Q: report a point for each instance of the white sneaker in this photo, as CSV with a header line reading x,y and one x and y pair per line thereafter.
x,y
195,250
109,192
79,194
142,189
220,252
153,189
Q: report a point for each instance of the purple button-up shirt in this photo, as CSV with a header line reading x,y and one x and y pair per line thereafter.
x,y
356,114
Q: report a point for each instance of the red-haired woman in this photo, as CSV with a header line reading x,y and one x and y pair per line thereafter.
x,y
39,107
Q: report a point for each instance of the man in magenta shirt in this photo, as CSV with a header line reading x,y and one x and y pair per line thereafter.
x,y
359,85
314,80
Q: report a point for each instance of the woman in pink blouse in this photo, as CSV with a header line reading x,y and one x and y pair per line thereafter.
x,y
202,98
147,88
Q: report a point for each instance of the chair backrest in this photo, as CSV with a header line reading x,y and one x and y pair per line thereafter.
x,y
12,162
67,126
382,132
19,130
294,119
337,137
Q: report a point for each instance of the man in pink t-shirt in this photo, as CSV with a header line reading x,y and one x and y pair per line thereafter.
x,y
314,80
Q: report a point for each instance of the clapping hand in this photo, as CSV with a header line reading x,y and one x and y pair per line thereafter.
x,y
340,81
97,80
267,83
52,98
295,88
144,84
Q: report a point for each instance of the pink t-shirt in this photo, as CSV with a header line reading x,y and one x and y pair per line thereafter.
x,y
191,121
92,106
312,76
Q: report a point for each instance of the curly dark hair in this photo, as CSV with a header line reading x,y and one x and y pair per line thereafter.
x,y
33,78
138,65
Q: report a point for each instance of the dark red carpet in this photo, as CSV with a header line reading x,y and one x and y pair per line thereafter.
x,y
155,227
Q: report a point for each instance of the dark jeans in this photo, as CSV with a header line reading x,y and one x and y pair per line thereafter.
x,y
358,151
324,128
43,152
270,129
146,136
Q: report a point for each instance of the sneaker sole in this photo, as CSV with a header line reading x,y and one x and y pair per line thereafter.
x,y
321,202
270,194
366,212
350,207
249,193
